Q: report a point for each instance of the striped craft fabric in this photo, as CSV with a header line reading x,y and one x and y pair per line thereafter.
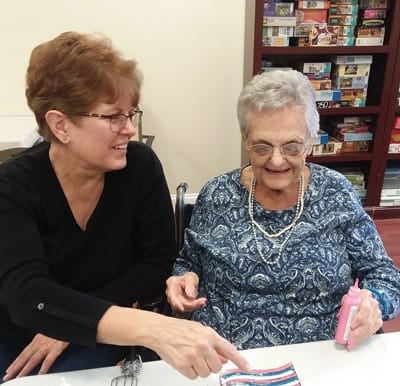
x,y
283,375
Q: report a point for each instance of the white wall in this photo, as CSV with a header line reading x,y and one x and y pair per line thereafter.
x,y
191,54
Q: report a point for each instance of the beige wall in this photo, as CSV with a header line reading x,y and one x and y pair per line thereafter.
x,y
191,54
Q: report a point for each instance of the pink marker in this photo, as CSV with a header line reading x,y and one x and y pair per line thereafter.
x,y
350,306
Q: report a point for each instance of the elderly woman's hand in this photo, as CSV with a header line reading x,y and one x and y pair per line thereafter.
x,y
367,321
182,292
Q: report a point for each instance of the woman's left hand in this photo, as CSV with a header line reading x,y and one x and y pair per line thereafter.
x,y
367,321
41,351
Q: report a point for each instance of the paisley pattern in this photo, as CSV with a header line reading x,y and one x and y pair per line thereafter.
x,y
296,299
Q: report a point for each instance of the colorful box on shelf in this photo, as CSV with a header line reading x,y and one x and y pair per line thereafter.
x,y
324,84
322,139
318,75
350,137
352,69
278,31
315,16
397,123
314,67
370,32
394,148
354,146
324,4
332,147
368,13
356,102
345,41
276,41
281,21
343,9
278,9
373,4
349,82
342,20
325,104
343,30
351,59
327,95
322,35
352,94
376,41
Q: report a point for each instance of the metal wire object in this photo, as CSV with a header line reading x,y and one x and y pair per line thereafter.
x,y
129,373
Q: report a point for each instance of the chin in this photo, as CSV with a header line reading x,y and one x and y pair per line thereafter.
x,y
116,165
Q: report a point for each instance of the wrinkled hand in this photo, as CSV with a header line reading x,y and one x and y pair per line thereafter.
x,y
42,351
193,349
182,292
367,321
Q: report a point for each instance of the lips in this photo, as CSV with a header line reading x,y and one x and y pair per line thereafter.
x,y
122,146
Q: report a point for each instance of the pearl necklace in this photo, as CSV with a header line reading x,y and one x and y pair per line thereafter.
x,y
290,227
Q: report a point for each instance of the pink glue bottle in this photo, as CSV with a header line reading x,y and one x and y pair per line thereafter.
x,y
350,306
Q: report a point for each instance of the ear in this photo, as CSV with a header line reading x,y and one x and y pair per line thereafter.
x,y
309,147
57,123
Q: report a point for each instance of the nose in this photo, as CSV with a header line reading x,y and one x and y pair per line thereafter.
x,y
276,156
128,128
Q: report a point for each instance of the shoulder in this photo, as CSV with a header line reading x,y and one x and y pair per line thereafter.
x,y
324,176
222,189
25,165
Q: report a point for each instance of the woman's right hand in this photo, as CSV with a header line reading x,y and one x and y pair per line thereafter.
x,y
193,349
182,292
188,346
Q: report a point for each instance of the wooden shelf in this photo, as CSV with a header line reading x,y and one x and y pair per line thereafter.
x,y
334,50
346,157
381,97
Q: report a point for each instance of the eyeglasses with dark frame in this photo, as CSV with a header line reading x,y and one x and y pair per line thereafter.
x,y
118,120
291,149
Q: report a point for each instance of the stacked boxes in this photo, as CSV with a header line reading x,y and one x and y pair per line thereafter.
x,y
350,75
319,74
325,23
349,135
371,23
311,19
354,132
278,24
390,194
343,19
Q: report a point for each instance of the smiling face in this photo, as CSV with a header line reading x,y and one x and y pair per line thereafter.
x,y
93,145
277,172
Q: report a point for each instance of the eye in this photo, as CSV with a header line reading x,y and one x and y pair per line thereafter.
x,y
261,148
293,148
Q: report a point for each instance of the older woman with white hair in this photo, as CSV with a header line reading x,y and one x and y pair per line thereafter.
x,y
273,246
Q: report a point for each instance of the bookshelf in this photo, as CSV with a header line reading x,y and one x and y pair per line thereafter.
x,y
381,97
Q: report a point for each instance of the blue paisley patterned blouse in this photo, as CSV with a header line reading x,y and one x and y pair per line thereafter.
x,y
295,299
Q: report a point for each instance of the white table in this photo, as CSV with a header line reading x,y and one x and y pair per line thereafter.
x,y
317,364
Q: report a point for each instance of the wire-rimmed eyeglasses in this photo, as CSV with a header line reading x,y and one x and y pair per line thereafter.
x,y
291,149
118,120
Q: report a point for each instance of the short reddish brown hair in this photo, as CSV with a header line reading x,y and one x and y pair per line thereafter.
x,y
73,72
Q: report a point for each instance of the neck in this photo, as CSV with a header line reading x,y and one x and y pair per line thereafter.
x,y
299,208
71,173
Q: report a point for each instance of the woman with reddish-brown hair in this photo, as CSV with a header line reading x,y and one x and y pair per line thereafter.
x,y
87,227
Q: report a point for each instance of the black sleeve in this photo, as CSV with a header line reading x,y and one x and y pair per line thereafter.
x,y
32,299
